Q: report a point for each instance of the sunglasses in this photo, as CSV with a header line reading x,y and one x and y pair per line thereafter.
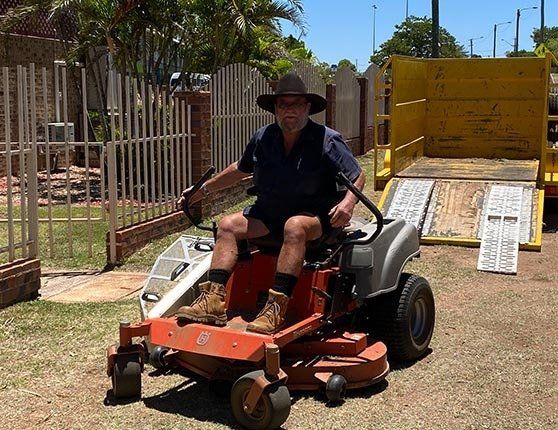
x,y
294,105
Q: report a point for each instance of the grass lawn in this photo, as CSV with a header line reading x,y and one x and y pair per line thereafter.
x,y
493,362
58,257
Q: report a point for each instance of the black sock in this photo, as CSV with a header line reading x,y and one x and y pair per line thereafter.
x,y
285,283
219,276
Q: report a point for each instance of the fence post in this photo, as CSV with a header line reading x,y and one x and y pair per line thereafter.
x,y
363,82
32,171
112,178
330,109
200,102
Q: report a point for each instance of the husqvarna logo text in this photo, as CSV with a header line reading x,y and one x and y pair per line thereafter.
x,y
203,338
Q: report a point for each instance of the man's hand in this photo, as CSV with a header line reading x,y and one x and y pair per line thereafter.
x,y
341,214
188,197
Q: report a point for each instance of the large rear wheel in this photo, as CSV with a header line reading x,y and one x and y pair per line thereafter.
x,y
404,319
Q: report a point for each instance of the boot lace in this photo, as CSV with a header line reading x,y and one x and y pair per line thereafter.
x,y
271,311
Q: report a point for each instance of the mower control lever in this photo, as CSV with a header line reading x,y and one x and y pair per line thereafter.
x,y
343,180
186,202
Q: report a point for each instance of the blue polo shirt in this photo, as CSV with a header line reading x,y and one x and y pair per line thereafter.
x,y
303,180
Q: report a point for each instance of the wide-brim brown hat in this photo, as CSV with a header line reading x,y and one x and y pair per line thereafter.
x,y
291,85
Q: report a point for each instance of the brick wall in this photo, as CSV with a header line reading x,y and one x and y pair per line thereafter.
x,y
21,50
19,280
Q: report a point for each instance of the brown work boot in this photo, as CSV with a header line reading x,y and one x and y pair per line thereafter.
x,y
209,307
272,316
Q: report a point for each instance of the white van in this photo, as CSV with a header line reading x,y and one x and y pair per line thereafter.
x,y
197,81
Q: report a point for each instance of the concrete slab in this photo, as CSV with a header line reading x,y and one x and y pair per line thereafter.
x,y
91,287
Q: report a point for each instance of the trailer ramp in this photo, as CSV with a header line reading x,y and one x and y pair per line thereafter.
x,y
491,204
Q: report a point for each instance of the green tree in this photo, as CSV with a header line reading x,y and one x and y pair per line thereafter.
x,y
346,63
520,53
413,37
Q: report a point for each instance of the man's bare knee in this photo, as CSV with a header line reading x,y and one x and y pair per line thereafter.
x,y
295,231
230,226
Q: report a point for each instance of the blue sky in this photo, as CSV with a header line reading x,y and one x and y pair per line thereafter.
x,y
343,28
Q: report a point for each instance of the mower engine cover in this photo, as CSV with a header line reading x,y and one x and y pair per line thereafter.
x,y
378,266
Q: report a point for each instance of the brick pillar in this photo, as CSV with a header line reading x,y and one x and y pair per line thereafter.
x,y
363,82
273,85
200,102
19,280
330,109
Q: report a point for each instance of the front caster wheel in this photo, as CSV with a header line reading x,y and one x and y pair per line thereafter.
x,y
336,388
126,376
272,409
157,357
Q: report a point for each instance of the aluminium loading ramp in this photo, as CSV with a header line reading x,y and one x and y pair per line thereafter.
x,y
492,204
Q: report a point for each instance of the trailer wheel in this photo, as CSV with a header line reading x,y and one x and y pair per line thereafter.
x,y
336,388
126,376
404,319
272,409
157,357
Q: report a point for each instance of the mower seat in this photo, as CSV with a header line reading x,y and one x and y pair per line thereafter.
x,y
272,244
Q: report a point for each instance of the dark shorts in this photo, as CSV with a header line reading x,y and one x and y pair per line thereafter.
x,y
275,223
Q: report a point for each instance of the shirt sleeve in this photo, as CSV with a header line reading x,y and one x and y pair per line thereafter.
x,y
246,162
340,158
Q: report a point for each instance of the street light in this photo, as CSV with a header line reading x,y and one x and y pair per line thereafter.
x,y
406,9
516,47
495,28
374,7
471,43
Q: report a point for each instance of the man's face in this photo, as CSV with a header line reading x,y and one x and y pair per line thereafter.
x,y
292,113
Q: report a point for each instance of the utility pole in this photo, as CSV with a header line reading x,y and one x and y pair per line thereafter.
x,y
495,28
516,44
406,9
435,29
542,22
374,7
471,43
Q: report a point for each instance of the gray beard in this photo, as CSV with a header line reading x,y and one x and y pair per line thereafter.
x,y
300,126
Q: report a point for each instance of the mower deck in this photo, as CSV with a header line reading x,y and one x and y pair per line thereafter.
x,y
308,362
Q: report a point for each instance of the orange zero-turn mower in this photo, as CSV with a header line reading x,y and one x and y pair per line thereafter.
x,y
352,307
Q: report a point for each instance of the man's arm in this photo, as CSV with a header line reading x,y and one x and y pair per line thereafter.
x,y
342,212
228,177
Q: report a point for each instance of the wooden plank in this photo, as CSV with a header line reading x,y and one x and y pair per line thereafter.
x,y
486,126
532,109
481,147
483,89
517,68
457,209
473,169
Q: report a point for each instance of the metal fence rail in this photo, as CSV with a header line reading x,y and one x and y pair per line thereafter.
x,y
235,115
148,164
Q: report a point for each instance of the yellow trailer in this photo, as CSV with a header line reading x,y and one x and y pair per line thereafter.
x,y
466,126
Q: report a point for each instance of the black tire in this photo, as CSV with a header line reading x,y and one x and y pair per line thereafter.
x,y
126,377
157,357
272,410
336,387
404,319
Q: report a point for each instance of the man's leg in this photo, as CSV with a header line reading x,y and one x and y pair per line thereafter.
x,y
209,307
298,230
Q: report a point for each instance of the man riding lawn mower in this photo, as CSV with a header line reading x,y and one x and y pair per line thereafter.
x,y
294,162
334,296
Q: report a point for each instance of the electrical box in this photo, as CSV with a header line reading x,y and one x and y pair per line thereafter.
x,y
56,132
